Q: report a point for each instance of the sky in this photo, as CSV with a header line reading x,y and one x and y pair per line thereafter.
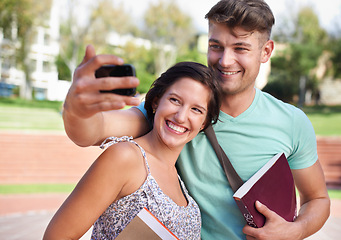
x,y
328,11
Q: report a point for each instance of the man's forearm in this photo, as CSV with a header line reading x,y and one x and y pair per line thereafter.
x,y
312,216
93,130
314,199
83,131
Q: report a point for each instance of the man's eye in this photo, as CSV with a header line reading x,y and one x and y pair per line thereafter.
x,y
241,49
215,47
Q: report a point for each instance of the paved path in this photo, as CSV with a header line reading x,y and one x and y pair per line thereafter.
x,y
42,158
54,158
25,217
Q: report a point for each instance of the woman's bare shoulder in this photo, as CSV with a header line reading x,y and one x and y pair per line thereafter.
x,y
122,154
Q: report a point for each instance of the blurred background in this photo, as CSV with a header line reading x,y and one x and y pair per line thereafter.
x,y
42,42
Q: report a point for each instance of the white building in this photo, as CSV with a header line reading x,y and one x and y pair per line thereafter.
x,y
42,57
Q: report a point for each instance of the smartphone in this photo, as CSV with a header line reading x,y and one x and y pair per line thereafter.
x,y
117,71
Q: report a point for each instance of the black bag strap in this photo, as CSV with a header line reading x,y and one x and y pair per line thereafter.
x,y
231,174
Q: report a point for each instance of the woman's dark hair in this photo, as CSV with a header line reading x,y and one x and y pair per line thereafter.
x,y
195,71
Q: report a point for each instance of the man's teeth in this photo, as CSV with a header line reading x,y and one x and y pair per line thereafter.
x,y
229,73
176,128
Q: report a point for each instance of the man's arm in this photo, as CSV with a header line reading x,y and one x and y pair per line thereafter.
x,y
93,130
87,114
314,209
314,199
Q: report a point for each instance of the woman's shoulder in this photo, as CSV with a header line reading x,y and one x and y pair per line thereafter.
x,y
122,153
123,163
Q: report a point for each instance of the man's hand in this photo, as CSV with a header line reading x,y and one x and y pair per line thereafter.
x,y
84,99
313,212
86,115
275,227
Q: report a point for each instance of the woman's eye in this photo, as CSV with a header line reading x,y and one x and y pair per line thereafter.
x,y
197,110
174,100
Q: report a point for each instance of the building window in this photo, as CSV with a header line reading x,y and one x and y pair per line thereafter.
x,y
47,39
46,66
39,93
6,64
33,65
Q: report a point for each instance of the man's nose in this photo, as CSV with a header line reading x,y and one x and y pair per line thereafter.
x,y
227,58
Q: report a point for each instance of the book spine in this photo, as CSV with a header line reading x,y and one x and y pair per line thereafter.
x,y
246,213
152,215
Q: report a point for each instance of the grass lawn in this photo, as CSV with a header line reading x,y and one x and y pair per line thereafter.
x,y
326,125
30,116
17,102
36,188
18,114
67,188
325,119
33,119
334,194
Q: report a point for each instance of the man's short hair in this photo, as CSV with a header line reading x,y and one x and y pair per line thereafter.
x,y
251,15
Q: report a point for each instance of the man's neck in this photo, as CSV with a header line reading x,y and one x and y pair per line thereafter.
x,y
236,104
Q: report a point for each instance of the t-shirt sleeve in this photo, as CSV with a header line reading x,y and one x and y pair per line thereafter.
x,y
144,111
305,148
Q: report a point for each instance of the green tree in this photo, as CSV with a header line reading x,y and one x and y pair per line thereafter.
x,y
300,57
335,48
168,26
308,29
143,60
72,35
104,17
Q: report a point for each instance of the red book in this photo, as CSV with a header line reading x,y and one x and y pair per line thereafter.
x,y
145,226
272,185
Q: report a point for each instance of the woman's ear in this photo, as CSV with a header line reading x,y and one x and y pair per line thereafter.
x,y
155,103
154,107
202,126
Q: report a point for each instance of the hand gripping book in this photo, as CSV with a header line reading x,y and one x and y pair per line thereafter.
x,y
272,185
145,226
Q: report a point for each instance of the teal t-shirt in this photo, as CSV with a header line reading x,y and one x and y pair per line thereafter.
x,y
266,128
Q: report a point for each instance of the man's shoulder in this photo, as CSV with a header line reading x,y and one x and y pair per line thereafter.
x,y
270,101
198,140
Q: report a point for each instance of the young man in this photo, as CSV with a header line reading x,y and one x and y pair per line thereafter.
x,y
254,126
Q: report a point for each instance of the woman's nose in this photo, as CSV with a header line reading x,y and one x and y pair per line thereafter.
x,y
181,115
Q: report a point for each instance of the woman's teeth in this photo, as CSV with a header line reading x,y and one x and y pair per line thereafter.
x,y
175,127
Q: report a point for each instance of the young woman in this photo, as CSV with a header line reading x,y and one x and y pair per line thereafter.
x,y
133,174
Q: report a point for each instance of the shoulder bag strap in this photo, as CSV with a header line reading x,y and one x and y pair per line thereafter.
x,y
231,174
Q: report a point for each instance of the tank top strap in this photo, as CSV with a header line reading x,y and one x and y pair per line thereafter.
x,y
113,140
184,189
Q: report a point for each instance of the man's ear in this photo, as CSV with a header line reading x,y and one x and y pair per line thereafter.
x,y
267,51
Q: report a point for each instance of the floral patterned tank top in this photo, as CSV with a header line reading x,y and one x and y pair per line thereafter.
x,y
183,221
